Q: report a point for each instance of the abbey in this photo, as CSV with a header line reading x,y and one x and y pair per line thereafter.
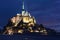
x,y
23,22
19,22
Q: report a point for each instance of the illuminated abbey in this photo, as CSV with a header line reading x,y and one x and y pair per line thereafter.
x,y
22,23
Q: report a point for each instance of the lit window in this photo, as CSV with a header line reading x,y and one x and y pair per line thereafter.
x,y
31,31
41,31
20,31
36,31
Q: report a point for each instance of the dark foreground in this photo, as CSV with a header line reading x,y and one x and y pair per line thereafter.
x,y
29,37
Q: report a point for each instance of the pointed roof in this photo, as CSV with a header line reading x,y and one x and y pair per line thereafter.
x,y
23,5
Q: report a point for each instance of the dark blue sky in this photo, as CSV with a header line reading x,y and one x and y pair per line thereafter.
x,y
46,12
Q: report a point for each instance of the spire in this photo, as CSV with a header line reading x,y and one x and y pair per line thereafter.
x,y
23,5
23,11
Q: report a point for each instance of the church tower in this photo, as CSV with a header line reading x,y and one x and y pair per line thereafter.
x,y
27,18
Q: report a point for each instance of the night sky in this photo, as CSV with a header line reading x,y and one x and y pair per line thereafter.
x,y
46,12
